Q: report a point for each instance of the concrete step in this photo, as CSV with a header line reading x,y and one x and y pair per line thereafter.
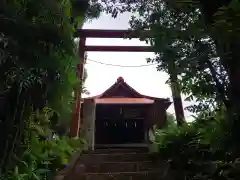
x,y
149,175
114,157
120,167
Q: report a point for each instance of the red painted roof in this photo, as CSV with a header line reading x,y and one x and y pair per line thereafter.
x,y
124,101
137,99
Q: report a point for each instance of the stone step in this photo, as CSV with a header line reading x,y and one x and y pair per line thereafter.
x,y
149,175
119,150
114,157
120,167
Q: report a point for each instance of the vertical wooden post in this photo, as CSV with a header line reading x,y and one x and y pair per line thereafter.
x,y
176,93
76,118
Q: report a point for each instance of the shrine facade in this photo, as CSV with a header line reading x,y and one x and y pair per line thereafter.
x,y
121,116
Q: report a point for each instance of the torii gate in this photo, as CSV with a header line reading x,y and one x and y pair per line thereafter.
x,y
97,33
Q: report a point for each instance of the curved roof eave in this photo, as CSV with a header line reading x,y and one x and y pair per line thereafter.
x,y
120,81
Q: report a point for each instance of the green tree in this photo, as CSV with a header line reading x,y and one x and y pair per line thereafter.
x,y
37,64
194,25
181,39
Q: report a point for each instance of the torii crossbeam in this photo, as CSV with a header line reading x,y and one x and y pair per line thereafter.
x,y
83,34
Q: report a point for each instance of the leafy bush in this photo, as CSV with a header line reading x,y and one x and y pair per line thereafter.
x,y
204,149
44,158
43,154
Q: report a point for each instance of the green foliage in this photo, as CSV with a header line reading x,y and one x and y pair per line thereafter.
x,y
43,154
180,37
44,159
37,66
204,149
202,38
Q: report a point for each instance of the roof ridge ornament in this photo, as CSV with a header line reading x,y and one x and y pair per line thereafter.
x,y
120,79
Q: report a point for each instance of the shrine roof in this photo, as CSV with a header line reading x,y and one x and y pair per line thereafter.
x,y
124,101
110,96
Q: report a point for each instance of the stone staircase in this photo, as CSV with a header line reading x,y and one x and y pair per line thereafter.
x,y
122,164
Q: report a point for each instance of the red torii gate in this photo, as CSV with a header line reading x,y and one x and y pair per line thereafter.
x,y
97,33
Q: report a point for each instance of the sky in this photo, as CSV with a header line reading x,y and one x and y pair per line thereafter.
x,y
146,80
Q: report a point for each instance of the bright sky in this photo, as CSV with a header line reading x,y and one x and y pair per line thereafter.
x,y
146,80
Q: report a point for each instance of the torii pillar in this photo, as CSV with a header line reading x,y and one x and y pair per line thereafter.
x,y
76,119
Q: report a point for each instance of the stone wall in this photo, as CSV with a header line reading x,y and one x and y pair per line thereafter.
x,y
87,130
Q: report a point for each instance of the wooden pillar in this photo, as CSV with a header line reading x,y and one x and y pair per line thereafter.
x,y
176,93
76,121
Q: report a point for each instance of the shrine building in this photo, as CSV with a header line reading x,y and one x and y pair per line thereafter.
x,y
121,116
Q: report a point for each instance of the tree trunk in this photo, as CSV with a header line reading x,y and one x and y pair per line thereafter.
x,y
176,93
232,61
